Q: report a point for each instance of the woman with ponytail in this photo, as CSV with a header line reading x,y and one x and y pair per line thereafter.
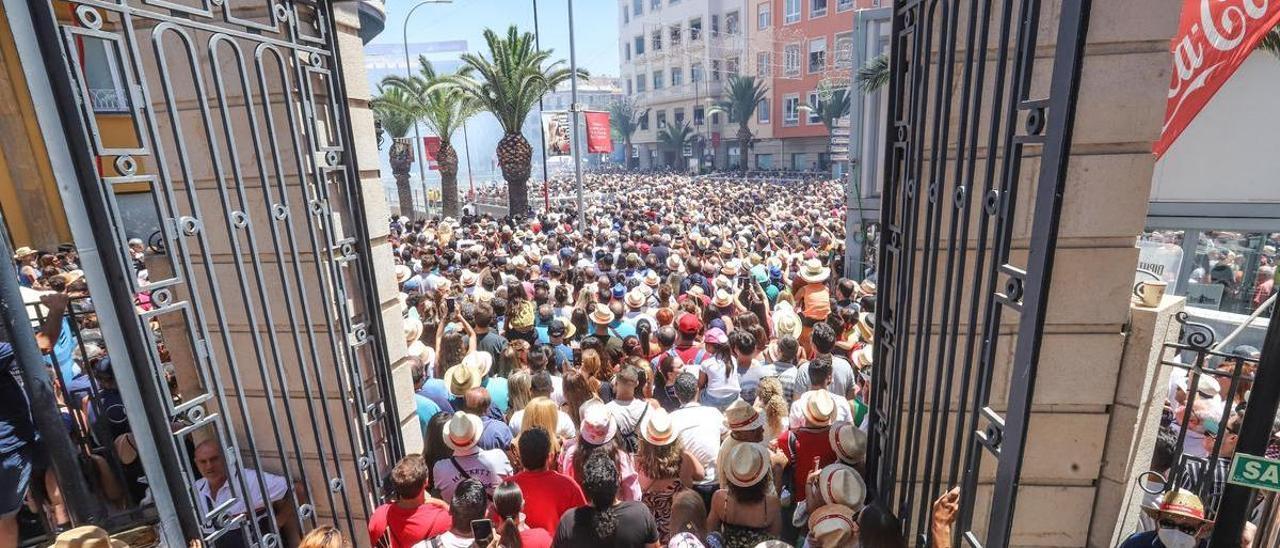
x,y
605,521
508,503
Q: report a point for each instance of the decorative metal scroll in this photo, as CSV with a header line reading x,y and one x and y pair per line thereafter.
x,y
979,129
220,134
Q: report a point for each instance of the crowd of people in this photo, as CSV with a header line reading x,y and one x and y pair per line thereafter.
x,y
687,369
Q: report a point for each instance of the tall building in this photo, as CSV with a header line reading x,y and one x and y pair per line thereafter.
x,y
677,56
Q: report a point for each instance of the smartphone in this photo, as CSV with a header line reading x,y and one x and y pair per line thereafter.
x,y
481,531
451,304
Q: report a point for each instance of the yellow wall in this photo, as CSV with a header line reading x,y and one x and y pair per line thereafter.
x,y
28,195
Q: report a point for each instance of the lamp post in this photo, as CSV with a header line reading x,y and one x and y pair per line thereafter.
x,y
408,72
575,108
546,192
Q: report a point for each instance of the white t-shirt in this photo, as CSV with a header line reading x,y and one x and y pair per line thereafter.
x,y
843,413
276,489
720,385
488,467
564,424
448,540
750,380
700,428
627,415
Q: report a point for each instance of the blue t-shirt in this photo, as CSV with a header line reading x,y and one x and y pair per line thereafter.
x,y
62,351
496,434
435,391
426,409
543,336
16,428
497,392
622,329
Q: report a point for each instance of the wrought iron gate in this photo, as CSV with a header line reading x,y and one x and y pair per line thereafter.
x,y
216,132
978,141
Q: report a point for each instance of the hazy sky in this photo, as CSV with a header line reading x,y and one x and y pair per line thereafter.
x,y
595,23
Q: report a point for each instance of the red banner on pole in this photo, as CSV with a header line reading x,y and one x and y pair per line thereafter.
x,y
1214,38
715,140
599,139
432,147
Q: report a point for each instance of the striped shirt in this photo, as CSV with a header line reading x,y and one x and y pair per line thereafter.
x,y
1214,478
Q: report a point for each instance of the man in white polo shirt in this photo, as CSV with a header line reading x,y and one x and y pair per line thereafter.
x,y
217,486
700,428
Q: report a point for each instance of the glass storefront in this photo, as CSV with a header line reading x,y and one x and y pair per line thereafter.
x,y
1226,270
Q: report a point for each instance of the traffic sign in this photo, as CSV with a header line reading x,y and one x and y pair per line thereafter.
x,y
1255,472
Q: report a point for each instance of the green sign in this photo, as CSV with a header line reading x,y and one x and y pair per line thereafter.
x,y
1255,472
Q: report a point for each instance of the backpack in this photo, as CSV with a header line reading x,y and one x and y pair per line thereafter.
x,y
630,440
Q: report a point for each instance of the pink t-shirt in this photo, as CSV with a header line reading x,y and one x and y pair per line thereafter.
x,y
629,480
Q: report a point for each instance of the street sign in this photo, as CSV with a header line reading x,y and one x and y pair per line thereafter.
x,y
1255,472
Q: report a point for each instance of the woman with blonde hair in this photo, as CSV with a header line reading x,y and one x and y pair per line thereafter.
x,y
593,365
519,391
772,403
325,536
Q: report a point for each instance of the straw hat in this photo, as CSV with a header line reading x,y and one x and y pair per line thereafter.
x,y
868,287
635,298
849,443
731,268
814,272
1182,503
742,417
468,278
652,279
598,426
412,329
841,484
864,357
867,327
786,322
23,252
565,327
832,526
463,431
402,273
88,536
723,299
479,362
819,408
748,464
656,428
602,315
460,379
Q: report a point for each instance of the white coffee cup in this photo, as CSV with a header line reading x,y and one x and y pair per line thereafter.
x,y
1150,293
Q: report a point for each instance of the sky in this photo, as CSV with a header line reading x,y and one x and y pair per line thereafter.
x,y
595,23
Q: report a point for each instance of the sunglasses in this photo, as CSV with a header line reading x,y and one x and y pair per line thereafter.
x,y
1188,529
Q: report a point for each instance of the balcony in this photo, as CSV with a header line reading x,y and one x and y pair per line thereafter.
x,y
373,18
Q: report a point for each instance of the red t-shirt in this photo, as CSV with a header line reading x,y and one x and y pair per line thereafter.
x,y
809,443
409,526
547,496
535,538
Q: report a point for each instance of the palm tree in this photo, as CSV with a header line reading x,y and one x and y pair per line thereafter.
x,y
397,111
508,83
443,109
677,136
624,116
830,110
745,94
873,75
1271,42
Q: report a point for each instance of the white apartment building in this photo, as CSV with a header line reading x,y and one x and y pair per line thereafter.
x,y
676,57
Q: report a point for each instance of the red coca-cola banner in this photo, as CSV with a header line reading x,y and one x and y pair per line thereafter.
x,y
1214,38
432,147
599,140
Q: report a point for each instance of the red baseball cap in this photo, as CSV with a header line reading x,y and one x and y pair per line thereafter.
x,y
689,324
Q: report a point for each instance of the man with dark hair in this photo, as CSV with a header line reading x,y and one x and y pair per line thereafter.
x,y
547,494
749,369
469,503
486,339
700,429
842,381
1162,460
414,516
784,365
496,433
561,352
820,378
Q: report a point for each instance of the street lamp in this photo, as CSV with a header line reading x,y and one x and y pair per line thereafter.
x,y
408,72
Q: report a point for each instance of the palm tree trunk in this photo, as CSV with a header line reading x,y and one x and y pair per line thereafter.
x,y
448,160
401,156
515,156
744,140
626,153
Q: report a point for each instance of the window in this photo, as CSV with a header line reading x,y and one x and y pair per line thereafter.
x,y
844,5
654,4
644,116
732,23
674,33
662,119
791,59
715,25
639,45
695,72
655,40
657,80
790,110
762,63
695,28
628,52
1225,273
790,11
103,77
764,161
762,111
699,116
715,118
629,86
715,70
764,15
626,14
814,101
817,55
677,76
640,83
678,116
844,50
731,67
817,8
637,7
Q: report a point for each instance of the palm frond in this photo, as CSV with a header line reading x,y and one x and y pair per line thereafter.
x,y
624,117
873,75
1271,42
396,110
676,136
833,108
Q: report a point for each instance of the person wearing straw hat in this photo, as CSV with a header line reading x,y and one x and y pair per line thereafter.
x,y
832,526
637,304
664,467
1180,523
745,513
849,443
25,257
818,374
808,446
813,299
462,436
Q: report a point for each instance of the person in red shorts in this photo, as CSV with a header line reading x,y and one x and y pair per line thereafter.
x,y
547,494
415,516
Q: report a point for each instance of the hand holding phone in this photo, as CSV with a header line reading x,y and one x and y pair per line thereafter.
x,y
481,531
